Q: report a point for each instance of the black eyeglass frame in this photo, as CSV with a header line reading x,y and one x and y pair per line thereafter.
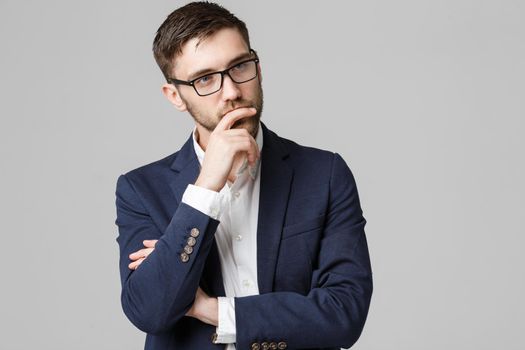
x,y
226,71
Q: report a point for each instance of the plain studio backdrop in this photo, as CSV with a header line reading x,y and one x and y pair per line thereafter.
x,y
423,99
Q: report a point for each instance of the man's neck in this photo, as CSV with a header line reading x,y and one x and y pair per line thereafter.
x,y
202,137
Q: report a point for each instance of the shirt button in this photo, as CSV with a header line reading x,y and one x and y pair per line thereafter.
x,y
246,283
238,237
236,194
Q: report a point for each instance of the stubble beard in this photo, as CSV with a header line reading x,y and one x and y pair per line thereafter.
x,y
249,123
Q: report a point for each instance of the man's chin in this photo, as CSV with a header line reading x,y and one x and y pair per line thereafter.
x,y
245,123
241,123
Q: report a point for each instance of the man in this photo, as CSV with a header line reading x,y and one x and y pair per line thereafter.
x,y
241,239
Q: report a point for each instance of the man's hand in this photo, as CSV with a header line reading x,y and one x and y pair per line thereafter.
x,y
225,149
204,308
139,256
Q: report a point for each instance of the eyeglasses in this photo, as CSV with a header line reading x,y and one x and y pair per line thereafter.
x,y
210,83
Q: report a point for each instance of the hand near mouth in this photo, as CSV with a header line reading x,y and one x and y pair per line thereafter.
x,y
226,150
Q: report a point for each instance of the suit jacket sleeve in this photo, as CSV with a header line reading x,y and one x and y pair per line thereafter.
x,y
333,313
162,289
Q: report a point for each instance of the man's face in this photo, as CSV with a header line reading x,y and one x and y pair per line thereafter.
x,y
220,51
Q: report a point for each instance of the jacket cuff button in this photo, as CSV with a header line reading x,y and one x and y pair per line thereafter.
x,y
214,338
194,232
191,241
184,257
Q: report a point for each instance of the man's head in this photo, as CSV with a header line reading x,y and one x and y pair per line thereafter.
x,y
202,38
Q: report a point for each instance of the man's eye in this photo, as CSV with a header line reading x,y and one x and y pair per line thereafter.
x,y
240,66
204,80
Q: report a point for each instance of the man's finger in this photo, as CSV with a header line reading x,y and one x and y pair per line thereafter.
x,y
150,243
231,117
135,264
251,150
143,253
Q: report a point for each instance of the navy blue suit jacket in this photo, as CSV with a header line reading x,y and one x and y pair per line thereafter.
x,y
313,266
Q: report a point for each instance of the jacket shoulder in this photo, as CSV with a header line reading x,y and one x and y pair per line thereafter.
x,y
306,155
315,165
151,175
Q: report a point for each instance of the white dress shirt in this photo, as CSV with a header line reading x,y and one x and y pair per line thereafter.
x,y
236,206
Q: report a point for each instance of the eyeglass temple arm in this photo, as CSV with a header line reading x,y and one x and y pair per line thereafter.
x,y
177,81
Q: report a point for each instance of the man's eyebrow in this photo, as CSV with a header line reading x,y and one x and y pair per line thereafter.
x,y
201,72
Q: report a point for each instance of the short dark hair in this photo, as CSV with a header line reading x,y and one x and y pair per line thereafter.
x,y
195,20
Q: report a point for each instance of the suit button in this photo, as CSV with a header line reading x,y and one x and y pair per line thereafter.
x,y
191,241
265,346
273,345
184,257
282,345
188,249
256,346
194,232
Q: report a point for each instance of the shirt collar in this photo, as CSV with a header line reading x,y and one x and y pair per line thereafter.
x,y
252,170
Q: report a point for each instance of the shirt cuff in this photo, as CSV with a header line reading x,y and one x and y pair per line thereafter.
x,y
226,331
204,200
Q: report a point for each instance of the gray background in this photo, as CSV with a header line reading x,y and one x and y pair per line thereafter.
x,y
423,99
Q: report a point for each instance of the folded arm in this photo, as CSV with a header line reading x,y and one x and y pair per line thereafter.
x,y
333,313
162,289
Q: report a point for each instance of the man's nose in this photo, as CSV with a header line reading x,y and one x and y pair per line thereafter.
x,y
230,89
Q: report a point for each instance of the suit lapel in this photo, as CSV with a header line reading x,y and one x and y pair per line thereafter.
x,y
187,168
276,178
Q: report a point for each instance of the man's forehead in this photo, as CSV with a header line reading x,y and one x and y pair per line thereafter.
x,y
213,52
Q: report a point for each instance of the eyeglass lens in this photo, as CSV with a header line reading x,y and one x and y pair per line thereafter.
x,y
240,73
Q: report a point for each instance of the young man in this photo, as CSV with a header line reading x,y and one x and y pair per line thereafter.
x,y
241,239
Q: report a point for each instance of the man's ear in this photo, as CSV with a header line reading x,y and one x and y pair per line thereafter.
x,y
172,94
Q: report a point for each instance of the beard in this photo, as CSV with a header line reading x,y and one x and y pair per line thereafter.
x,y
251,123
